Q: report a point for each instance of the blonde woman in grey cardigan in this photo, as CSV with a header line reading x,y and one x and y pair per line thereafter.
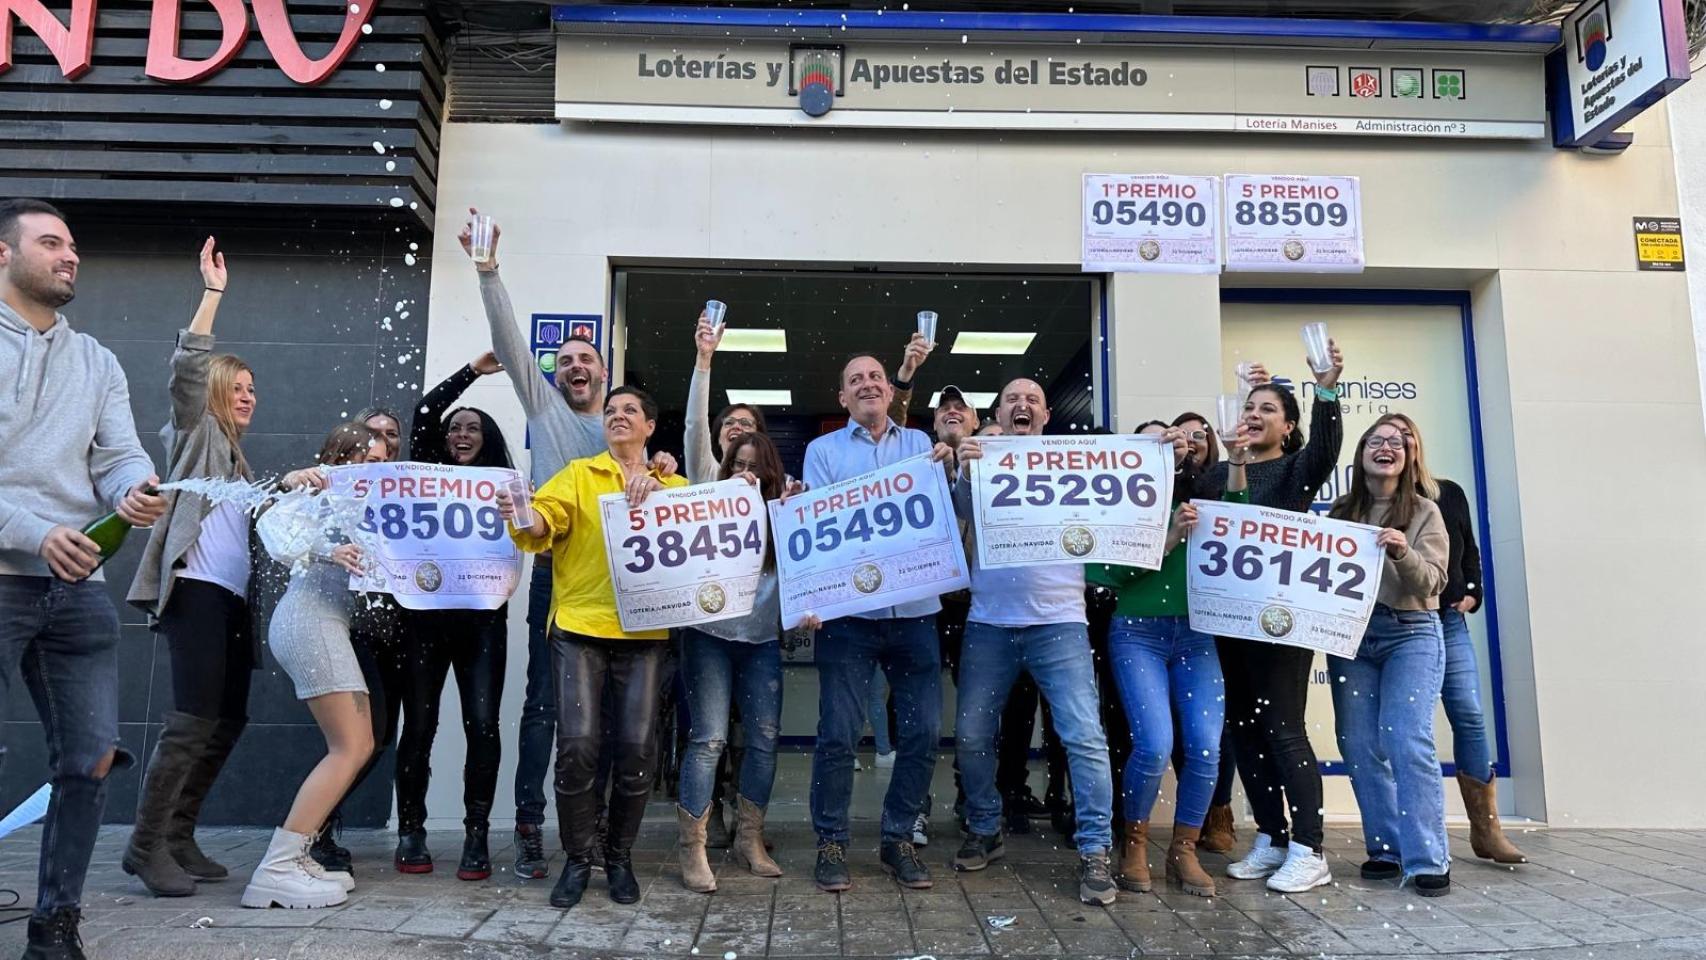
x,y
193,582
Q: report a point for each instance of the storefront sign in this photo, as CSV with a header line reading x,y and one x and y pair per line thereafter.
x,y
73,42
877,540
1102,499
1619,57
1658,243
1293,224
1028,86
686,555
1151,223
1294,578
442,544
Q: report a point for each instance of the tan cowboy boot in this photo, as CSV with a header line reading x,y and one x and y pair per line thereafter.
x,y
1486,836
696,872
749,846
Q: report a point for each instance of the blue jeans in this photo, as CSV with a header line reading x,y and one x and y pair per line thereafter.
x,y
1162,666
1471,751
63,637
878,708
538,740
1057,656
1383,702
849,651
716,672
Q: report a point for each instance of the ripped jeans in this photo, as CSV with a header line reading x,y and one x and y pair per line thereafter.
x,y
717,673
63,638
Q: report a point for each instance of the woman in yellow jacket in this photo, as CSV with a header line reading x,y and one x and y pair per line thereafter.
x,y
594,657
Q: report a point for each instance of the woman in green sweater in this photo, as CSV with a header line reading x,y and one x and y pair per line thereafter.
x,y
1161,668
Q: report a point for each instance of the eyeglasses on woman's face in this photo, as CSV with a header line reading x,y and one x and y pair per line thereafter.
x,y
743,423
742,465
1395,441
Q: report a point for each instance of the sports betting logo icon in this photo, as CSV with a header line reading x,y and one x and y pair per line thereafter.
x,y
1593,34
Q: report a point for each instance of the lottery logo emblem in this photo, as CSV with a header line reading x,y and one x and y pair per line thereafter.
x,y
712,598
1276,622
1077,541
1293,250
429,577
867,578
1149,250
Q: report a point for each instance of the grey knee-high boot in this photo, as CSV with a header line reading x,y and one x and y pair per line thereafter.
x,y
147,858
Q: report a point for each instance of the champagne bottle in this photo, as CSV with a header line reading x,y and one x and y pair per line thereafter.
x,y
109,533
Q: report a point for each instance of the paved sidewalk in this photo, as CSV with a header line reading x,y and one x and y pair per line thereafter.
x,y
1589,894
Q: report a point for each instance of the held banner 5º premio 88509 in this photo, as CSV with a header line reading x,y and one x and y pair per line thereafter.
x,y
1299,579
1072,500
880,539
441,543
685,556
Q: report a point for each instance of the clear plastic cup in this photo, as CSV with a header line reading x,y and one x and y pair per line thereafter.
x,y
927,325
1229,410
715,310
1315,343
522,497
480,229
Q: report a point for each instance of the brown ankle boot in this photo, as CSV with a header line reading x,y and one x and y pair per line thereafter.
x,y
749,846
1486,836
696,872
1219,834
1183,869
1134,859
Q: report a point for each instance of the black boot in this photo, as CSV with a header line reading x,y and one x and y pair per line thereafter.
x,y
180,835
55,937
326,850
412,853
571,883
182,740
476,859
619,873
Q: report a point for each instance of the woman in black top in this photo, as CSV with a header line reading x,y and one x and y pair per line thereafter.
x,y
471,642
1267,684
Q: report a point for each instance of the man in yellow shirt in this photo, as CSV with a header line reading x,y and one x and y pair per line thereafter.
x,y
593,656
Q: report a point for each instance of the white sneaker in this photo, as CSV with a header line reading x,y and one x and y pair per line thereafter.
x,y
1304,870
885,761
283,878
1262,860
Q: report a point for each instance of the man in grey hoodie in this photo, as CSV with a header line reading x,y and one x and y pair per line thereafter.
x,y
71,455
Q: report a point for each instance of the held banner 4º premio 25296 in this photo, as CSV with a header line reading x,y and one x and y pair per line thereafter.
x,y
1300,579
441,542
1072,500
880,539
685,556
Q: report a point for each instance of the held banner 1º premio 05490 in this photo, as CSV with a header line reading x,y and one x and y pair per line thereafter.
x,y
1300,579
1072,500
687,555
880,539
441,543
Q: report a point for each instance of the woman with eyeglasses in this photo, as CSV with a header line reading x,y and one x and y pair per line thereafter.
x,y
705,442
1383,700
1471,751
726,662
1267,684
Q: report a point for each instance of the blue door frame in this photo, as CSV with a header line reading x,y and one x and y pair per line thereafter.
x,y
1434,298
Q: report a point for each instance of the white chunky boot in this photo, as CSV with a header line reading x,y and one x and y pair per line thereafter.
x,y
283,878
342,878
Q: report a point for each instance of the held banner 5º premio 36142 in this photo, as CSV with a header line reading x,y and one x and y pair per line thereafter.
x,y
1299,579
880,539
685,556
1102,499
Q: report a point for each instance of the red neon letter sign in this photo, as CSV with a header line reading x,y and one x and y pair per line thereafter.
x,y
163,60
73,46
281,40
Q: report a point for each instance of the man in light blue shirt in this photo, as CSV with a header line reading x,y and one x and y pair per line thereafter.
x,y
900,639
1031,619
